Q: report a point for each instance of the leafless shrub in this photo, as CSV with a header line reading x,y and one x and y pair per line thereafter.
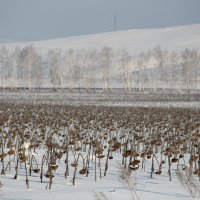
x,y
128,179
188,182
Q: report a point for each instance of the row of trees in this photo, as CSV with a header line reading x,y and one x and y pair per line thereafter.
x,y
107,69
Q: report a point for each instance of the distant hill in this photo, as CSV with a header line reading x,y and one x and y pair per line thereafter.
x,y
136,40
139,58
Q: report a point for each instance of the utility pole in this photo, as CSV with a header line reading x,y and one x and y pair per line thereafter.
x,y
115,21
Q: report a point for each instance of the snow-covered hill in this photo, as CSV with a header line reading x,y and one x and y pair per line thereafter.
x,y
136,40
106,60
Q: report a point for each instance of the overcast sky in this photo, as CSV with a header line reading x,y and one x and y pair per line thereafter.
x,y
45,19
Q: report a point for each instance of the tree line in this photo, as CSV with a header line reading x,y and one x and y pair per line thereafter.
x,y
27,67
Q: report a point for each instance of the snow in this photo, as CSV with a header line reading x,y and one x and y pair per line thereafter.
x,y
136,40
103,99
89,73
158,187
147,188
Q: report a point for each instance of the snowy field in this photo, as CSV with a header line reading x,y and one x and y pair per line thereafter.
x,y
146,188
103,99
106,116
88,130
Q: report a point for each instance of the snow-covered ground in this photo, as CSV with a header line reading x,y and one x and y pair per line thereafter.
x,y
102,99
111,186
147,188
